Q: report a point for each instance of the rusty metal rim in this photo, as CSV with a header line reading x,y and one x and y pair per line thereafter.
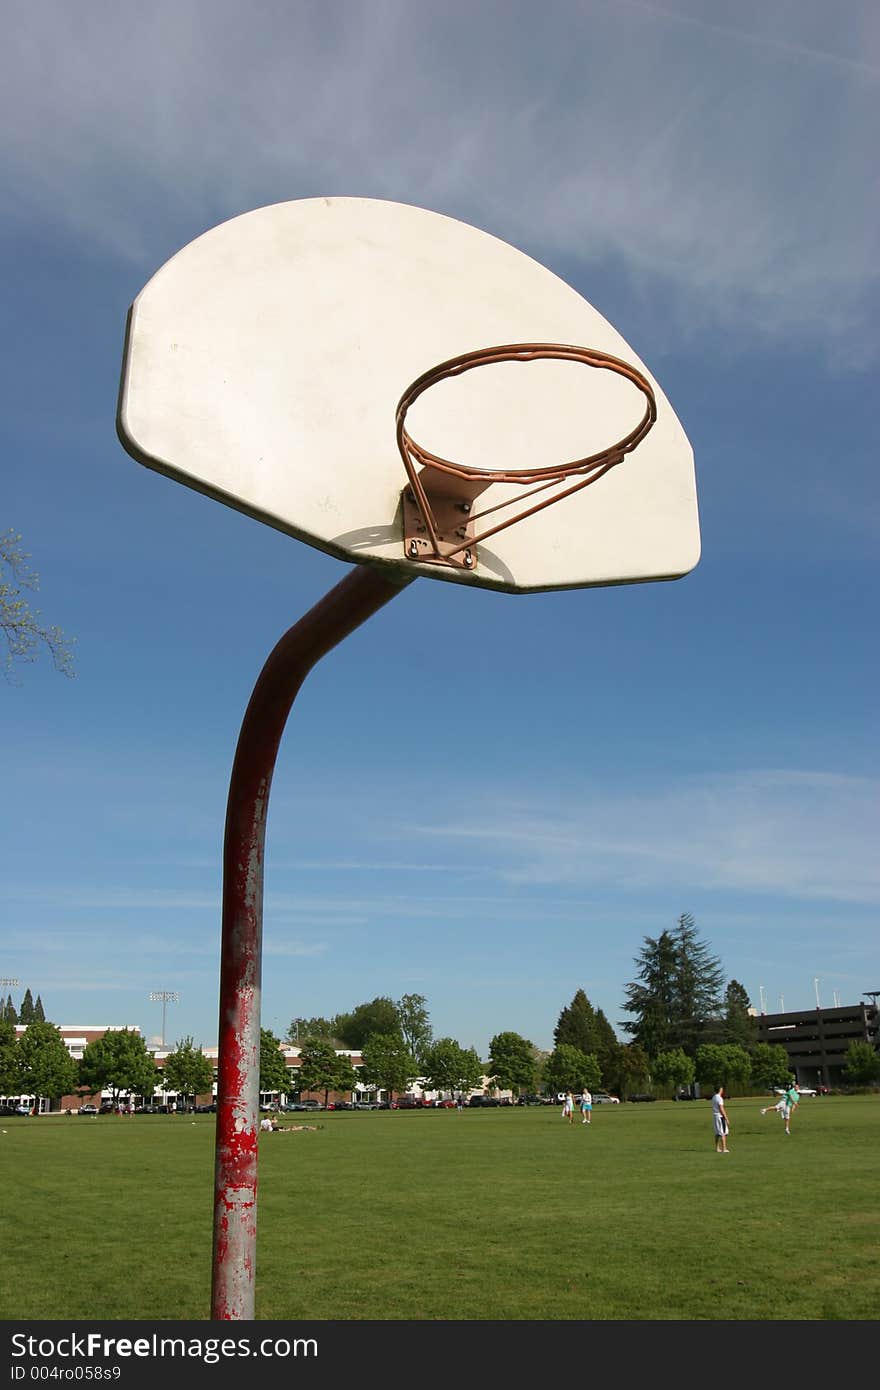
x,y
588,469
523,352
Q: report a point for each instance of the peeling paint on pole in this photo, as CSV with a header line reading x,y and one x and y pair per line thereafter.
x,y
362,593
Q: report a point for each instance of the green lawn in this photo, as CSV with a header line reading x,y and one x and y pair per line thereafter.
x,y
502,1214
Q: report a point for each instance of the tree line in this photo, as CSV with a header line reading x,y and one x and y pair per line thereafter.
x,y
685,1023
30,1012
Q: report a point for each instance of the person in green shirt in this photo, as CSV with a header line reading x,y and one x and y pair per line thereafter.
x,y
792,1095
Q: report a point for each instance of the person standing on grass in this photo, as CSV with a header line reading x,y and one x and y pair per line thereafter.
x,y
720,1121
568,1108
587,1107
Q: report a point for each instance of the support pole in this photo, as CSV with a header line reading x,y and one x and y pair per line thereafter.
x,y
361,594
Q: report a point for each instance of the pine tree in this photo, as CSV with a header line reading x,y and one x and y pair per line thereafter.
x,y
607,1047
39,1012
26,1012
677,994
699,980
651,997
739,1025
576,1026
9,1012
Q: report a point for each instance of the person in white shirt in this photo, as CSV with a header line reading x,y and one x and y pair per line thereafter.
x,y
720,1121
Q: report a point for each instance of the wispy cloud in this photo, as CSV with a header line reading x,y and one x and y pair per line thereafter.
x,y
734,162
793,834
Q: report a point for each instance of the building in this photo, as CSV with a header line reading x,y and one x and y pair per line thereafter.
x,y
816,1040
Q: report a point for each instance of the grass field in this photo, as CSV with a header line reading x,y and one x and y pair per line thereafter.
x,y
502,1214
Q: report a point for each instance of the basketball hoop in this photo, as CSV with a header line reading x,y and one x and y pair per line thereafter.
x,y
440,524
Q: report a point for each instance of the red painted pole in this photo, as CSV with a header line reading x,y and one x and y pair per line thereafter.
x,y
363,592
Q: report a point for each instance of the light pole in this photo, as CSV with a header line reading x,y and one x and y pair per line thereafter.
x,y
165,997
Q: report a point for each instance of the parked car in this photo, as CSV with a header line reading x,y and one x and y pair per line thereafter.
x,y
305,1105
210,1109
633,1100
444,1104
531,1100
603,1098
88,1109
23,1108
484,1101
107,1107
407,1103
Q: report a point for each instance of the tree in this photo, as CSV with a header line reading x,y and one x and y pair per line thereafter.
x,y
321,1069
606,1047
345,1078
512,1062
10,1065
46,1067
724,1064
450,1067
412,1017
273,1068
26,1012
21,625
302,1028
576,1025
39,1011
862,1064
739,1025
10,1014
677,990
388,1063
117,1062
698,983
633,1068
770,1065
379,1016
569,1069
673,1068
188,1071
651,996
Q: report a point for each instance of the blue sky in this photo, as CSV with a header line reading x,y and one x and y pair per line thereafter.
x,y
597,762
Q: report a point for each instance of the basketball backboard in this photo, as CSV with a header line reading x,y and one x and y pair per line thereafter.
x,y
264,365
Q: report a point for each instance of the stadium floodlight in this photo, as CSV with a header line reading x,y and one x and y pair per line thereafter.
x,y
164,997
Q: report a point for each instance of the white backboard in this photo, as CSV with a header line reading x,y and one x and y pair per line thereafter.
x,y
264,363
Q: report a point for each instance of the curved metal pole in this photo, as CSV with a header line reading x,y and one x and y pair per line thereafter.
x,y
363,592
